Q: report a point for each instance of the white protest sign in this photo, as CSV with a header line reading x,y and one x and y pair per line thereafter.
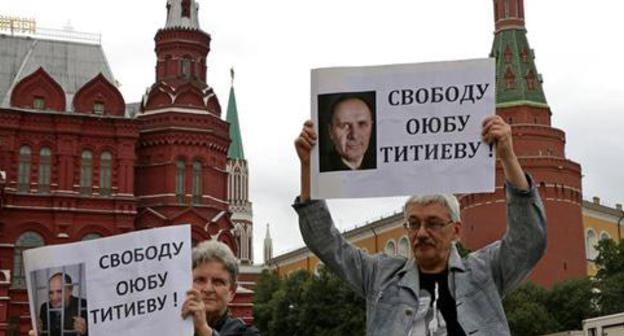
x,y
402,129
130,284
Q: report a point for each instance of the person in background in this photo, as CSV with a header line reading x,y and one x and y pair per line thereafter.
x,y
215,272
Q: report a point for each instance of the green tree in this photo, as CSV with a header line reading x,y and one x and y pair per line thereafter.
x,y
610,277
527,312
266,286
610,260
331,308
286,304
572,301
306,305
611,298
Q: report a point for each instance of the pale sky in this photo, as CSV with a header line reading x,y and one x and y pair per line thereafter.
x,y
273,44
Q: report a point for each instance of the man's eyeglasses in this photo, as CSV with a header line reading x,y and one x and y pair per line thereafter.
x,y
432,225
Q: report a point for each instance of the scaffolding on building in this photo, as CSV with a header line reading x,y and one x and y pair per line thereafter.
x,y
17,26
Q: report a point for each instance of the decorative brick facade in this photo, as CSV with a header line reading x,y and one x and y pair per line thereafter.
x,y
541,150
79,165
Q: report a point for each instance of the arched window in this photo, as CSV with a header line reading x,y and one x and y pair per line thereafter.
x,y
98,108
180,172
390,248
186,8
590,245
23,170
106,159
507,55
39,103
86,172
250,242
168,65
530,78
24,242
604,236
510,79
185,66
197,182
404,249
45,161
524,54
91,236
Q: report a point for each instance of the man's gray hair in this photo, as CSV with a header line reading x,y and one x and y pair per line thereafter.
x,y
212,250
447,200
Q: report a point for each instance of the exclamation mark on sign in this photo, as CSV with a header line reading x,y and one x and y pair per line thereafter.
x,y
491,145
175,299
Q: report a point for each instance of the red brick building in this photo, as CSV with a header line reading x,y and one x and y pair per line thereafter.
x,y
80,163
520,100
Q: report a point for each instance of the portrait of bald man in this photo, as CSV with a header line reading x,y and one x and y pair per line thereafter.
x,y
63,314
347,131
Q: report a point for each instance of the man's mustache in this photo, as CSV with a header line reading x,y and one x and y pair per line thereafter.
x,y
423,241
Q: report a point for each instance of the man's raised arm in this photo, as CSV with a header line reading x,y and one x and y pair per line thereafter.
x,y
524,242
318,231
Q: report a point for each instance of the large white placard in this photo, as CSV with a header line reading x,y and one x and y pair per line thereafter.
x,y
402,129
130,284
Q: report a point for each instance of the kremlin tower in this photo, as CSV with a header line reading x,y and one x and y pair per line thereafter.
x,y
520,101
181,172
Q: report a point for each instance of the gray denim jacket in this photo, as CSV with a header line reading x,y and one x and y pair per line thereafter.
x,y
395,304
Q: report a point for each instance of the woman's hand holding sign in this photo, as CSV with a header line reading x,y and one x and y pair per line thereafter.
x,y
194,306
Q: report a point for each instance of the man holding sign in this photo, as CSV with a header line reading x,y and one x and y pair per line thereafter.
x,y
437,292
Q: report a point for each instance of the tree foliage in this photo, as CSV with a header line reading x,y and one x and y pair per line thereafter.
x,y
610,277
572,301
306,305
611,297
610,260
532,310
527,313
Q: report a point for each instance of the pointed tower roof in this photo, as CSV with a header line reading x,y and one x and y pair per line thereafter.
x,y
517,79
182,14
267,236
268,247
236,147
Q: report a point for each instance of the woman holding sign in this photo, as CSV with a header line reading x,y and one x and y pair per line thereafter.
x,y
215,271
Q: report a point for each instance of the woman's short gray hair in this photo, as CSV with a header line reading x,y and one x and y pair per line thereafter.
x,y
212,250
447,200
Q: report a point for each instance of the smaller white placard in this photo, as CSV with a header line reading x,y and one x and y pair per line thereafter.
x,y
130,284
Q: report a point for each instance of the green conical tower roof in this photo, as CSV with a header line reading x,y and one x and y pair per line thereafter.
x,y
235,151
517,79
